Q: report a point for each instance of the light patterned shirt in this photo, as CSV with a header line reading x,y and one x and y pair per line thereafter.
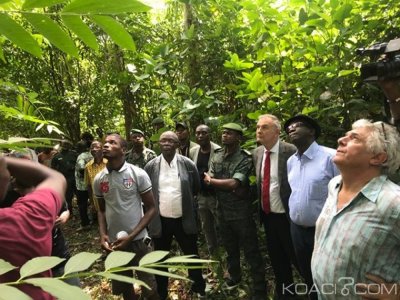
x,y
362,237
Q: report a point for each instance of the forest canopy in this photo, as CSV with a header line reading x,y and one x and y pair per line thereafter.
x,y
75,66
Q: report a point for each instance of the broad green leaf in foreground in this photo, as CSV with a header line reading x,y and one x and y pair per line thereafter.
x,y
75,24
123,278
28,4
161,273
18,35
39,264
106,7
59,289
116,31
9,292
153,257
117,259
5,266
53,33
80,262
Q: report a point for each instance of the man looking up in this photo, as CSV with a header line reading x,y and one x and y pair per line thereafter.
x,y
358,231
175,183
92,168
185,144
309,171
201,156
26,226
229,175
270,160
139,155
121,188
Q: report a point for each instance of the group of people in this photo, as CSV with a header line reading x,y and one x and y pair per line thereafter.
x,y
332,215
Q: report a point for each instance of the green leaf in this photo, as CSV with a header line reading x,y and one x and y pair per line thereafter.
x,y
8,292
4,1
2,55
80,262
59,289
343,12
77,26
161,273
28,4
117,259
323,69
186,259
106,7
5,266
39,264
123,278
116,31
19,36
53,33
302,16
153,257
346,72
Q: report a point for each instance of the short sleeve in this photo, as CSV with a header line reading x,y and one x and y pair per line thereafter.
x,y
144,183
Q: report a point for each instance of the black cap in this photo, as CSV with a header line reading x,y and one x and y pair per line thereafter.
x,y
310,122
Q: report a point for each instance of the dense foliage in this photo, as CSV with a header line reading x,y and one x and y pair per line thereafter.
x,y
209,61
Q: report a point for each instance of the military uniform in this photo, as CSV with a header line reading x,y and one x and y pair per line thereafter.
x,y
140,159
64,162
237,227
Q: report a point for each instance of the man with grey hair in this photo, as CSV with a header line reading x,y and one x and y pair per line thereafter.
x,y
270,161
358,231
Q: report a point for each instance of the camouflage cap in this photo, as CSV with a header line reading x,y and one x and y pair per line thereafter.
x,y
135,130
157,120
233,126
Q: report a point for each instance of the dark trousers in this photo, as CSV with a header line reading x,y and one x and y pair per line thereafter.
x,y
237,234
188,243
82,198
69,193
280,251
303,242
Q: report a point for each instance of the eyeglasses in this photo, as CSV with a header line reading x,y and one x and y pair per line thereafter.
x,y
383,130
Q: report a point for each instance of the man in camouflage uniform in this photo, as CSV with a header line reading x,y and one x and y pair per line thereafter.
x,y
139,155
64,162
229,172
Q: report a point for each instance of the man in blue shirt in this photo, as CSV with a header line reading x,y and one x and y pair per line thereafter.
x,y
309,171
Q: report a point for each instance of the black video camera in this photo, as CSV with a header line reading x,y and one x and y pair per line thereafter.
x,y
386,61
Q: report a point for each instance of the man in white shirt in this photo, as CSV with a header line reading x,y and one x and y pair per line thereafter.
x,y
175,182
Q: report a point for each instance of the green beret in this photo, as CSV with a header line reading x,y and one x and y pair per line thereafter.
x,y
157,120
137,131
233,126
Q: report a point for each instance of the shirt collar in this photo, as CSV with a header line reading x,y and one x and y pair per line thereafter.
x,y
123,168
372,189
310,152
173,161
275,148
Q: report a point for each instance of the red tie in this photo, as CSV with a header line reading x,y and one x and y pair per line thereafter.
x,y
265,183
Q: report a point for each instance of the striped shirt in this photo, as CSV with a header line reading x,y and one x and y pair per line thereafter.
x,y
363,237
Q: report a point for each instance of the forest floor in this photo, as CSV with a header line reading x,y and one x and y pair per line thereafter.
x,y
100,289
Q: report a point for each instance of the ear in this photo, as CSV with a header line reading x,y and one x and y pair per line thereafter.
x,y
378,159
